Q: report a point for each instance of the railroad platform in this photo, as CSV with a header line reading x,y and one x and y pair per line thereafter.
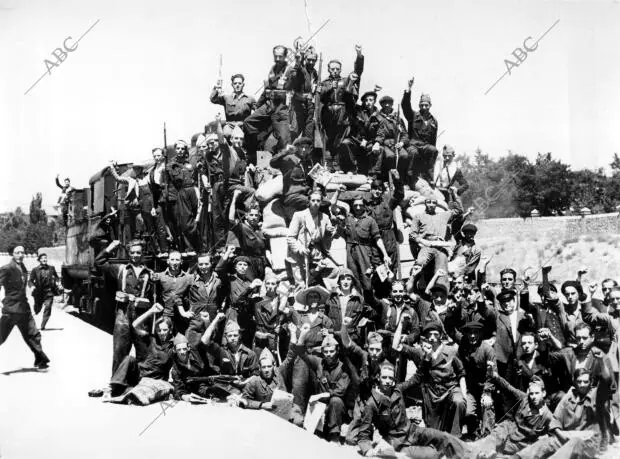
x,y
49,414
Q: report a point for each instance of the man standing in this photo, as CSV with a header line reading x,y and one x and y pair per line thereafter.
x,y
238,105
422,132
133,289
274,103
338,96
43,278
172,286
303,105
15,307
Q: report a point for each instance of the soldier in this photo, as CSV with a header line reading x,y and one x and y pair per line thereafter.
x,y
393,143
381,208
237,106
274,103
157,180
65,197
338,96
172,286
303,105
133,297
422,133
356,151
15,307
44,279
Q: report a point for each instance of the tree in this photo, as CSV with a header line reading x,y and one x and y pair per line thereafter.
x,y
37,214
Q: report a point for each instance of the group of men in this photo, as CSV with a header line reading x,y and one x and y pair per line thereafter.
x,y
517,376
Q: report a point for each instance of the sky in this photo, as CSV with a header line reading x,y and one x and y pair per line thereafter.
x,y
149,62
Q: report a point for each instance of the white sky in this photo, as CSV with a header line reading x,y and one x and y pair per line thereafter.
x,y
150,61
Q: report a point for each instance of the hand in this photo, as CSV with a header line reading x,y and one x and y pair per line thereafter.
x,y
157,308
186,314
598,353
582,270
387,260
267,406
440,272
415,270
219,317
113,245
376,147
486,401
398,146
354,77
485,287
492,369
410,83
427,349
592,287
363,143
154,212
219,84
218,117
236,194
292,329
358,49
256,283
347,321
544,334
324,332
395,174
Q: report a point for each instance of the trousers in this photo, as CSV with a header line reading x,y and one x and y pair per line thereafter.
x,y
27,327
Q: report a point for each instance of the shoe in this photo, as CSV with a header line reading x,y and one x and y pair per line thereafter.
x,y
42,365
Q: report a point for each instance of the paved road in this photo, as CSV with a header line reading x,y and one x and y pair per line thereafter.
x,y
49,415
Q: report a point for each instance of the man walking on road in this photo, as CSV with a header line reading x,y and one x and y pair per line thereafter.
x,y
43,278
15,307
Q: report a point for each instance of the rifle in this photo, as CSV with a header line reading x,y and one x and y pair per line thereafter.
x,y
219,71
215,379
319,142
307,256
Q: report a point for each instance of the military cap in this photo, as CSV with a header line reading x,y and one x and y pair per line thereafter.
x,y
201,140
237,132
266,355
241,258
386,99
424,97
329,340
474,325
374,338
440,286
299,141
506,295
179,339
369,94
448,149
432,326
211,137
469,227
231,327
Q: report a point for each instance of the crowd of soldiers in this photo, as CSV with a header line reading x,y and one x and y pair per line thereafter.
x,y
495,370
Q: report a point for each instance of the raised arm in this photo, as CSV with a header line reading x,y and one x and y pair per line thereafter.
x,y
208,334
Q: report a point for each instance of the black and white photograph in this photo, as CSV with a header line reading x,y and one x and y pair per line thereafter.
x,y
302,229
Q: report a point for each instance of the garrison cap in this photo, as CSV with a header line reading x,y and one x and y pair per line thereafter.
x,y
374,338
329,340
266,355
231,327
179,339
424,97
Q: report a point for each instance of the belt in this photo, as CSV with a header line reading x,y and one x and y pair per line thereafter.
x,y
368,243
303,96
336,104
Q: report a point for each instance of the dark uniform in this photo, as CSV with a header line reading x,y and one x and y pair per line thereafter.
x,y
302,105
253,244
296,183
44,279
361,235
338,97
133,292
382,210
365,127
390,131
205,294
273,109
16,310
184,202
423,136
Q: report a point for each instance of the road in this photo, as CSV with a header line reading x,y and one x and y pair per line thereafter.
x,y
50,414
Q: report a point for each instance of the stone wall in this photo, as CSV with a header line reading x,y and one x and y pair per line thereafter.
x,y
552,227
